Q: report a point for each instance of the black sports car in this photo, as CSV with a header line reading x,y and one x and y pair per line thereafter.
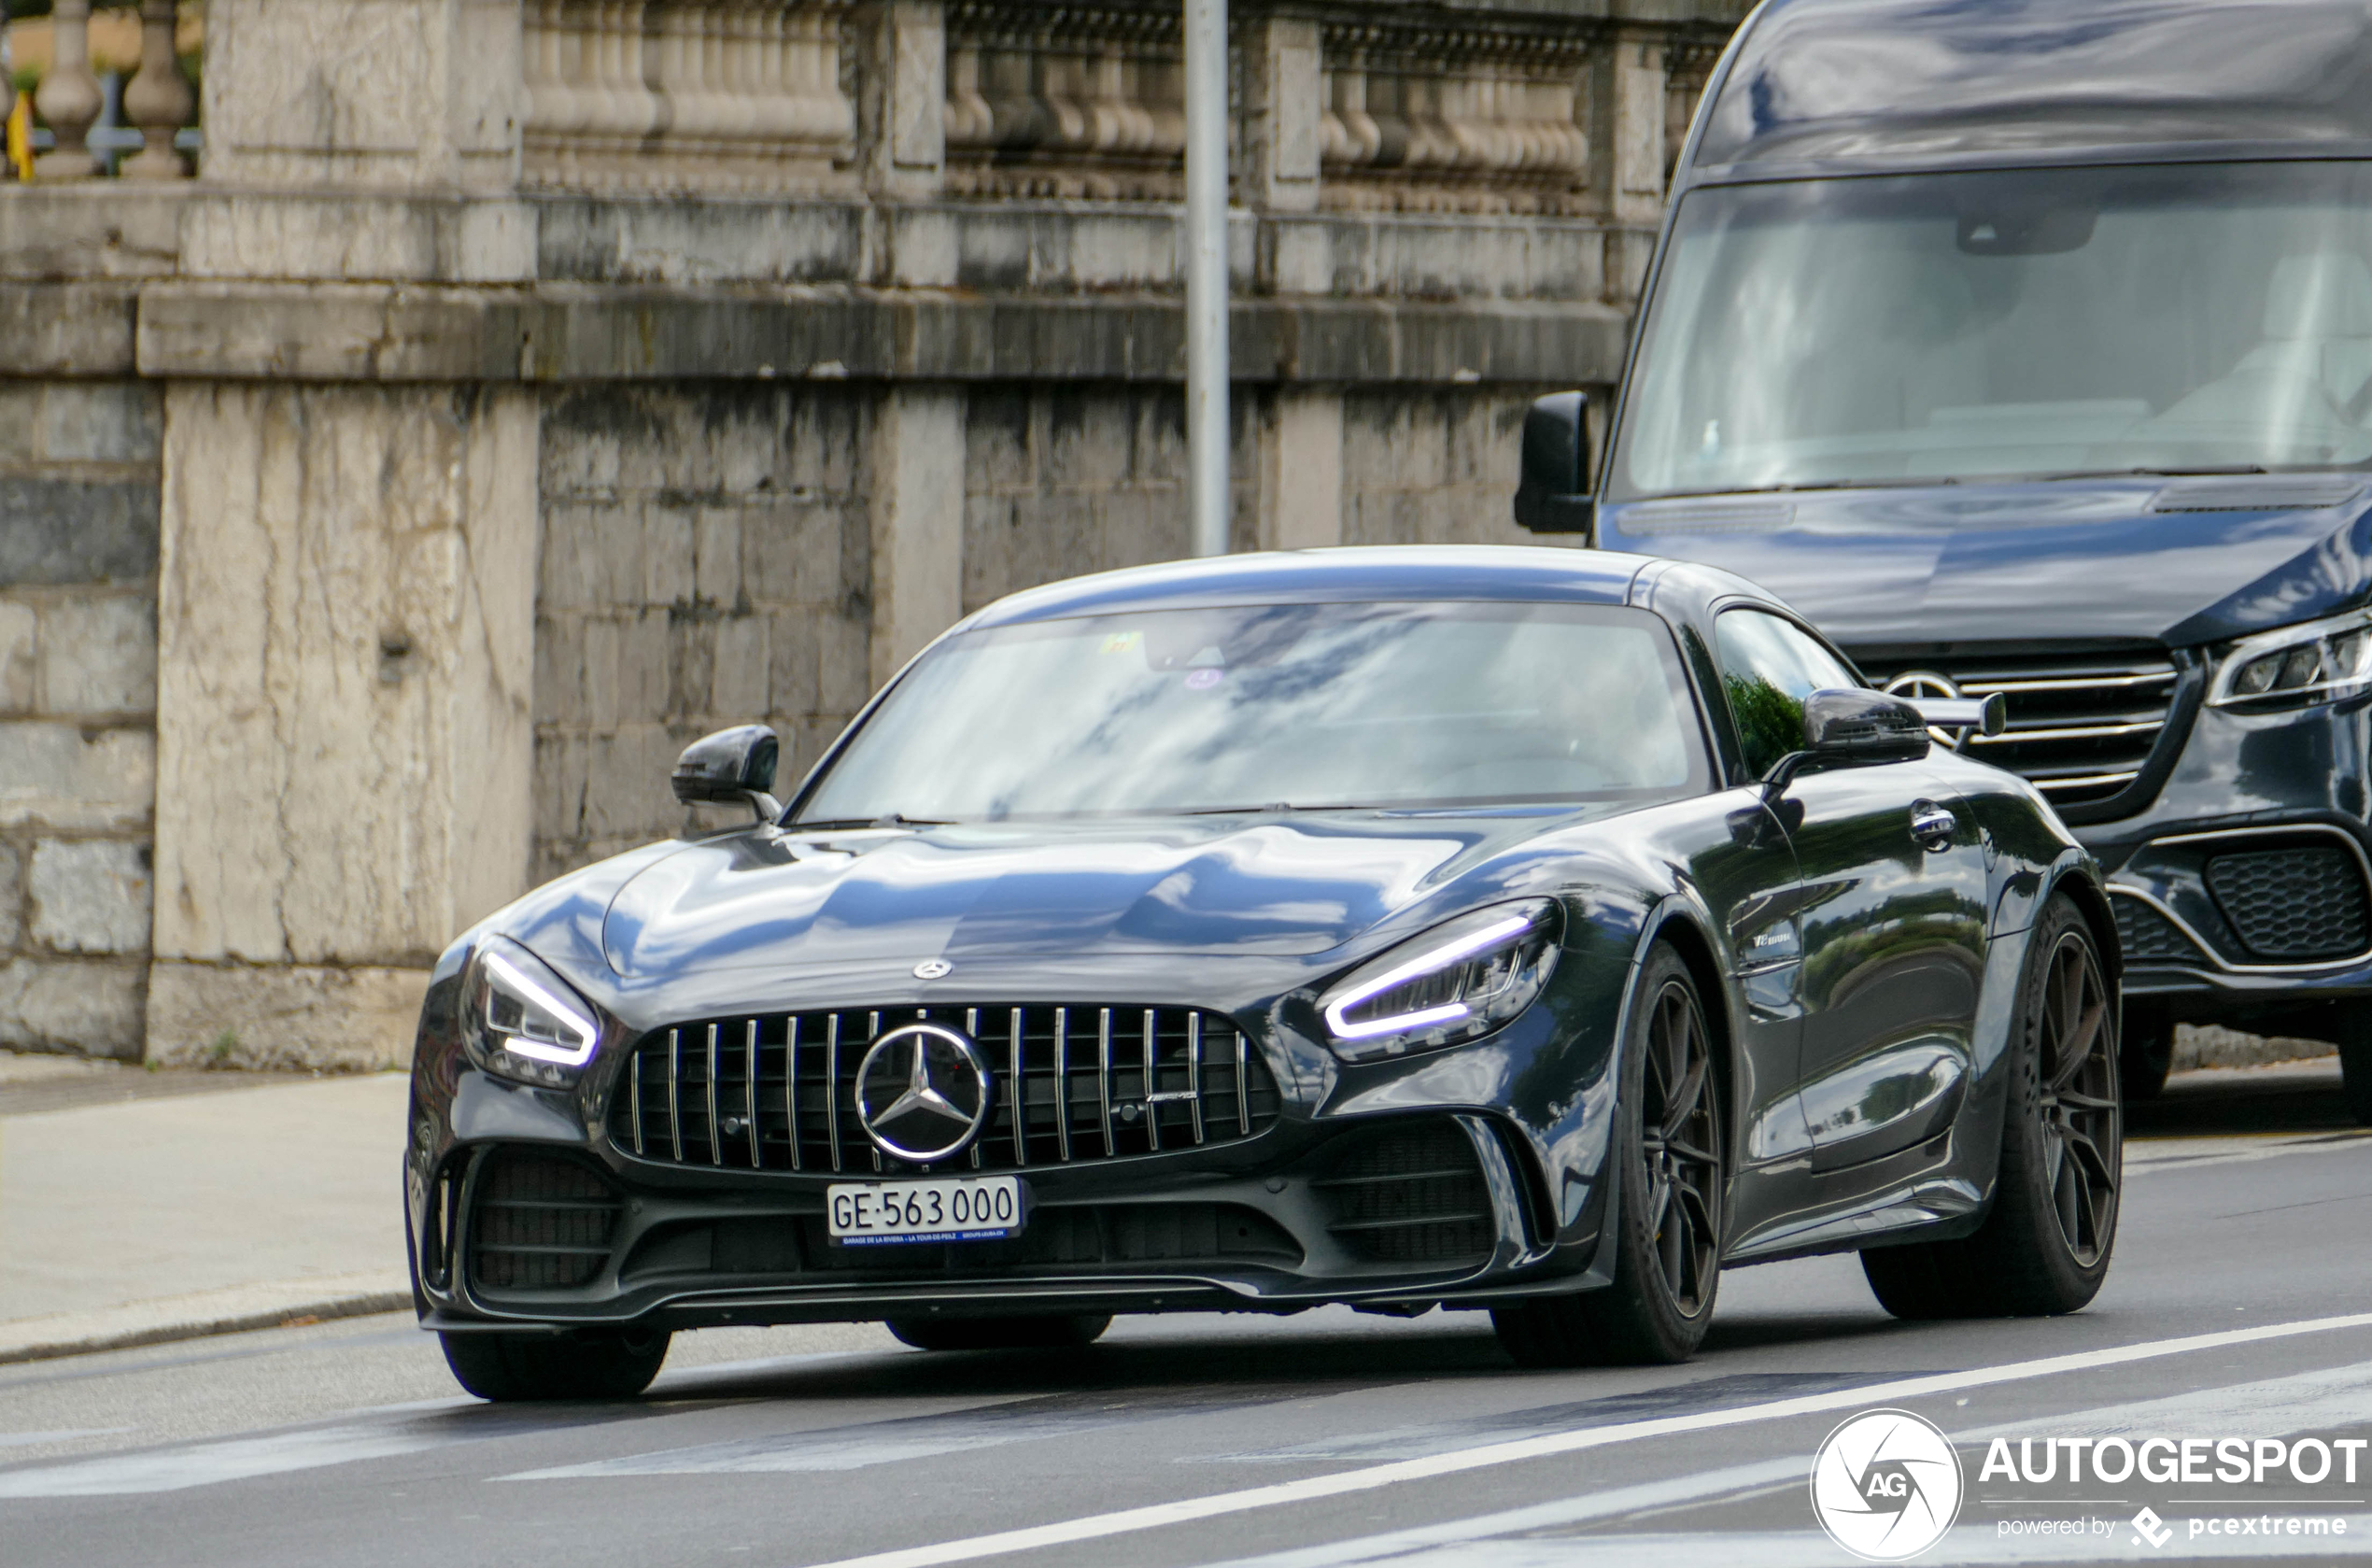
x,y
1528,930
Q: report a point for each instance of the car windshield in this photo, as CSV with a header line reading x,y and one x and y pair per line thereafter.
x,y
1284,706
2040,323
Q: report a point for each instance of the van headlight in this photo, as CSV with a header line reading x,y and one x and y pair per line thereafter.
x,y
1457,983
2314,661
523,1021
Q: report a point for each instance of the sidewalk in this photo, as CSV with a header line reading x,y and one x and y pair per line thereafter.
x,y
208,1203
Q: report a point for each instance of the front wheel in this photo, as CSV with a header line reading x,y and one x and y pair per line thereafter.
x,y
1036,1332
537,1366
1671,1196
2355,1062
2044,1246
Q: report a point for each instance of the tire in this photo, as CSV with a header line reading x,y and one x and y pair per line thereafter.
x,y
1671,1196
505,1367
2044,1246
2145,1057
2355,1062
1042,1331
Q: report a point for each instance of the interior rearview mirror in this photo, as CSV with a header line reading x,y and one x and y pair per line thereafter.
x,y
1553,494
731,766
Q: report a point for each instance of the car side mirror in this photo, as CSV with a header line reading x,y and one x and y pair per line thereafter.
x,y
1854,728
1553,493
731,766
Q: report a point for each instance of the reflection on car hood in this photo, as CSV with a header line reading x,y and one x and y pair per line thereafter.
x,y
2007,562
1297,885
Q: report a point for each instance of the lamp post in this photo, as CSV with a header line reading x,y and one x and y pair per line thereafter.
x,y
1207,501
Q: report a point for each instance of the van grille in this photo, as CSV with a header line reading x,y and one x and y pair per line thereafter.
x,y
2299,902
2083,725
1069,1083
2147,936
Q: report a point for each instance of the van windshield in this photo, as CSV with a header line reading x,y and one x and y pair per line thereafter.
x,y
2038,323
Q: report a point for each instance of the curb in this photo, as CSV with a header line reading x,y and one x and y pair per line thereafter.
x,y
126,1328
2213,1046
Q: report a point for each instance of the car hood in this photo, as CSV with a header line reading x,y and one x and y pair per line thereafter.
x,y
1275,885
1998,562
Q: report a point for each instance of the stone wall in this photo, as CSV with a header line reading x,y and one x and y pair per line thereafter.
x,y
705,562
523,388
78,465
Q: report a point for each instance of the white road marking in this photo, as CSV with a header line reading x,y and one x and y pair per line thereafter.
x,y
202,1464
67,1434
1128,1520
2271,1407
1966,1546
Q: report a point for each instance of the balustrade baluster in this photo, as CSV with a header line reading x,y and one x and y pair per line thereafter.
x,y
69,97
159,100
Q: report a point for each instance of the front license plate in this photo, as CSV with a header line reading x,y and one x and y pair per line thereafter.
x,y
888,1213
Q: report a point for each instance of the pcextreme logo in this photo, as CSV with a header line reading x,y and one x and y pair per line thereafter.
x,y
1885,1486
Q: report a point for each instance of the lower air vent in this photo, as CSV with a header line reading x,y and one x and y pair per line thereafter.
x,y
1410,1193
2149,936
2305,901
541,1221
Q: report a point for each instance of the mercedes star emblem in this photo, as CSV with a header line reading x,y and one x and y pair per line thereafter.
x,y
933,968
1916,683
923,1093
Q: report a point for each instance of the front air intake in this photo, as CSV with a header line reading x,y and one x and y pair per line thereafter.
x,y
539,1222
1411,1192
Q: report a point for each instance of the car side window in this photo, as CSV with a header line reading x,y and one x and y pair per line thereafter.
x,y
1768,667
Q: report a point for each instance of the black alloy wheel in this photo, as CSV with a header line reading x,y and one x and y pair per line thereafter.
x,y
551,1367
1673,1194
1036,1332
2045,1243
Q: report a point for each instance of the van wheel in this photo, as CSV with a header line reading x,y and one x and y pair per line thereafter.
x,y
1038,1332
2044,1246
504,1367
2146,1057
1671,1195
2355,1062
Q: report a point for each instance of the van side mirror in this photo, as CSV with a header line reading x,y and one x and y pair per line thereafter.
x,y
1853,729
1553,494
731,766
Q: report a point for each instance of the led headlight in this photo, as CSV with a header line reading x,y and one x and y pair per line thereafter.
x,y
2314,661
524,1023
1456,982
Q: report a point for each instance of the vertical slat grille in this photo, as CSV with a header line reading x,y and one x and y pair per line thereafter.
x,y
1159,1080
2083,725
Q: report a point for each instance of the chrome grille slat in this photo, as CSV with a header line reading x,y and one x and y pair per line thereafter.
x,y
1044,1108
2085,723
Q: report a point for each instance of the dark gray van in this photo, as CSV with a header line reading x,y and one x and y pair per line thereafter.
x,y
2027,346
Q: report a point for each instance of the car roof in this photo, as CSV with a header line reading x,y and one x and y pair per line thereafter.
x,y
1876,83
1392,571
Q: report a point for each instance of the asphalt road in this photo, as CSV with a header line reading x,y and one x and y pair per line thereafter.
x,y
2236,1309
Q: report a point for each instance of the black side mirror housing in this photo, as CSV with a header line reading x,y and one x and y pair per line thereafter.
x,y
1553,494
731,766
1854,728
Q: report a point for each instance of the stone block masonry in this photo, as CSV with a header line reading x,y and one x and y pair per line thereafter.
x,y
523,389
78,507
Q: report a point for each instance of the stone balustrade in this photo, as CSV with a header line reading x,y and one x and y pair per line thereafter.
x,y
158,100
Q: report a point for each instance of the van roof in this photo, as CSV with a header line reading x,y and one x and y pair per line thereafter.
x,y
1860,84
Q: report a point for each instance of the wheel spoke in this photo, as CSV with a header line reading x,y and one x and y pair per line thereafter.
x,y
1683,1103
2076,1050
1690,1152
1661,1204
2054,1156
2087,1154
2085,1102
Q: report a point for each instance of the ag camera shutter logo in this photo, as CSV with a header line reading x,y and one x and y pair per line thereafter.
x,y
1885,1486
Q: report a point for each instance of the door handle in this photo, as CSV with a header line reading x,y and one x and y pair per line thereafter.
x,y
1932,825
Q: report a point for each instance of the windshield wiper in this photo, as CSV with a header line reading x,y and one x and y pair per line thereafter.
x,y
2151,472
845,824
1280,806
